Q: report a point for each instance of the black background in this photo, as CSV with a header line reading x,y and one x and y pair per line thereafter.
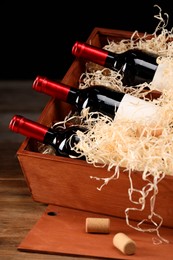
x,y
36,39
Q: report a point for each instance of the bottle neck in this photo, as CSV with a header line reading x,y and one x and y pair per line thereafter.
x,y
91,53
56,90
29,128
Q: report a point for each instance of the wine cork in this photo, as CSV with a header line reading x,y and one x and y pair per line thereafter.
x,y
125,244
97,225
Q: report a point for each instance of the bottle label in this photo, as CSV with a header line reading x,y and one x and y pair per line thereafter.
x,y
139,110
163,78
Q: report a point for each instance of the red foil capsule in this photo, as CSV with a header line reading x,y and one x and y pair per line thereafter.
x,y
28,128
90,53
54,89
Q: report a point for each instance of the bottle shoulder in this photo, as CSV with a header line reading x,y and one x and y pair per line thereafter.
x,y
102,90
139,53
69,130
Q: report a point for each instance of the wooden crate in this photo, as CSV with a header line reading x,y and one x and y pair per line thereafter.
x,y
66,182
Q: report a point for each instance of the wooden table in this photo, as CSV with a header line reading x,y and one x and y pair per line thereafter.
x,y
18,212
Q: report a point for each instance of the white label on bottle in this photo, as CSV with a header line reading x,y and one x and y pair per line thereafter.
x,y
136,109
163,78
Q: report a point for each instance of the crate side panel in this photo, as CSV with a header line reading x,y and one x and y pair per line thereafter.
x,y
67,183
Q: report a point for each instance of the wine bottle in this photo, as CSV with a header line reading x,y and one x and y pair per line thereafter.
x,y
99,99
135,66
60,139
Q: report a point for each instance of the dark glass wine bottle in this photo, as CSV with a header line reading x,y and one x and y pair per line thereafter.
x,y
60,139
136,66
98,99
